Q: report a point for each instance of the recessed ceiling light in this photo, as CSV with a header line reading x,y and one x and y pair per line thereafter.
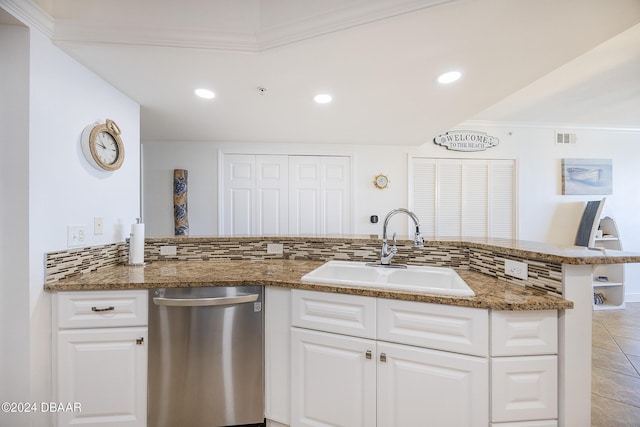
x,y
323,98
449,77
205,93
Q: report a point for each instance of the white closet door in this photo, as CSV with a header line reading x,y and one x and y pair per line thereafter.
x,y
239,194
304,195
449,201
319,195
475,199
464,197
423,194
272,195
335,187
502,192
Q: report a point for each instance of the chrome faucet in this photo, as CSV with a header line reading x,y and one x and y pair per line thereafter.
x,y
388,253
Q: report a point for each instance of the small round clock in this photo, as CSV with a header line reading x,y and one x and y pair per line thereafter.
x,y
102,146
381,181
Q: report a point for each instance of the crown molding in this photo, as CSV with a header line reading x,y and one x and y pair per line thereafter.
x,y
551,125
71,31
75,31
30,14
338,19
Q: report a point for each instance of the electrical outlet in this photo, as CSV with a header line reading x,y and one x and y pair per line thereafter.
x,y
275,248
76,235
516,269
168,250
98,226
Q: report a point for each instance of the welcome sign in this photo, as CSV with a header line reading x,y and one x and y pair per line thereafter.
x,y
466,140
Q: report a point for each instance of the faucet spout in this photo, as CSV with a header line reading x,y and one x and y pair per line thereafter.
x,y
387,253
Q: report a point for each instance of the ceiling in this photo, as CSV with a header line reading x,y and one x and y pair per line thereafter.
x,y
543,61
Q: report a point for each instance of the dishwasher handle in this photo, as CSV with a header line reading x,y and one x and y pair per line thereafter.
x,y
205,302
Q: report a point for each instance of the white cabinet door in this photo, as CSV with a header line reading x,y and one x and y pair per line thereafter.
x,y
333,380
422,387
319,195
105,372
255,195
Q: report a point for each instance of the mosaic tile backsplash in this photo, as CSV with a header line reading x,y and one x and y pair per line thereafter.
x,y
544,276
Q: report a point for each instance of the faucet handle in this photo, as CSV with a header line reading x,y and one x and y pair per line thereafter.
x,y
394,241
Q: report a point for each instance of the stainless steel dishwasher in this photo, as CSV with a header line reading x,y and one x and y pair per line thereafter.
x,y
206,357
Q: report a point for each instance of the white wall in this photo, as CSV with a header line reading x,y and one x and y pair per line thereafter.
x,y
14,217
544,214
59,188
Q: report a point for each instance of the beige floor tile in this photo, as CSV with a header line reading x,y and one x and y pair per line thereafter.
x,y
635,361
622,319
609,413
615,386
629,347
613,361
623,331
601,337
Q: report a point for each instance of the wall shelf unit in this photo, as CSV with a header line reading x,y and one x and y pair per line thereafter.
x,y
608,279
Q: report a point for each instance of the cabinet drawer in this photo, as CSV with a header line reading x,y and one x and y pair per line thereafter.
x,y
516,333
441,327
343,314
94,309
524,388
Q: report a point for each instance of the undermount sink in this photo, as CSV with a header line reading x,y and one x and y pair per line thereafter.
x,y
435,280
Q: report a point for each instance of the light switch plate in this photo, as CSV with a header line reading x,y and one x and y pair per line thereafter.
x,y
76,235
516,269
98,225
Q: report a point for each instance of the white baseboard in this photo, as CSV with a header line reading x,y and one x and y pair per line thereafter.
x,y
635,297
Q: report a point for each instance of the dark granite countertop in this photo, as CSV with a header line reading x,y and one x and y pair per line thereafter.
x,y
491,293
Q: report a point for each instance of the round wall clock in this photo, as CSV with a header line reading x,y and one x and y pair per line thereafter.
x,y
102,146
381,181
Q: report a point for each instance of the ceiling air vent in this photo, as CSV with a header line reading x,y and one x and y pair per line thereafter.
x,y
566,138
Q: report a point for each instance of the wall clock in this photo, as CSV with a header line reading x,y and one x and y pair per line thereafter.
x,y
381,181
102,146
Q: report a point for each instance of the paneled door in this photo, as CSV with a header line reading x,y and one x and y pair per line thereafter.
x,y
333,380
319,195
255,195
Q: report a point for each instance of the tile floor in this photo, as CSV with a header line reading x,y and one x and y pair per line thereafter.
x,y
615,386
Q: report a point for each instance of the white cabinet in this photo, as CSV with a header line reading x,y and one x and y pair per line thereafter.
x,y
608,279
100,357
420,387
345,374
333,380
524,368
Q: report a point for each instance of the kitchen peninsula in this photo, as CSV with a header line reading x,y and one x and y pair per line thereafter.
x,y
558,279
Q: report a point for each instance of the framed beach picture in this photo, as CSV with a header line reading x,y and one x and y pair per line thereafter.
x,y
587,176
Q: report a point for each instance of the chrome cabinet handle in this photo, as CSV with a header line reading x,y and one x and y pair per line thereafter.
x,y
367,355
383,357
203,302
96,309
139,341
